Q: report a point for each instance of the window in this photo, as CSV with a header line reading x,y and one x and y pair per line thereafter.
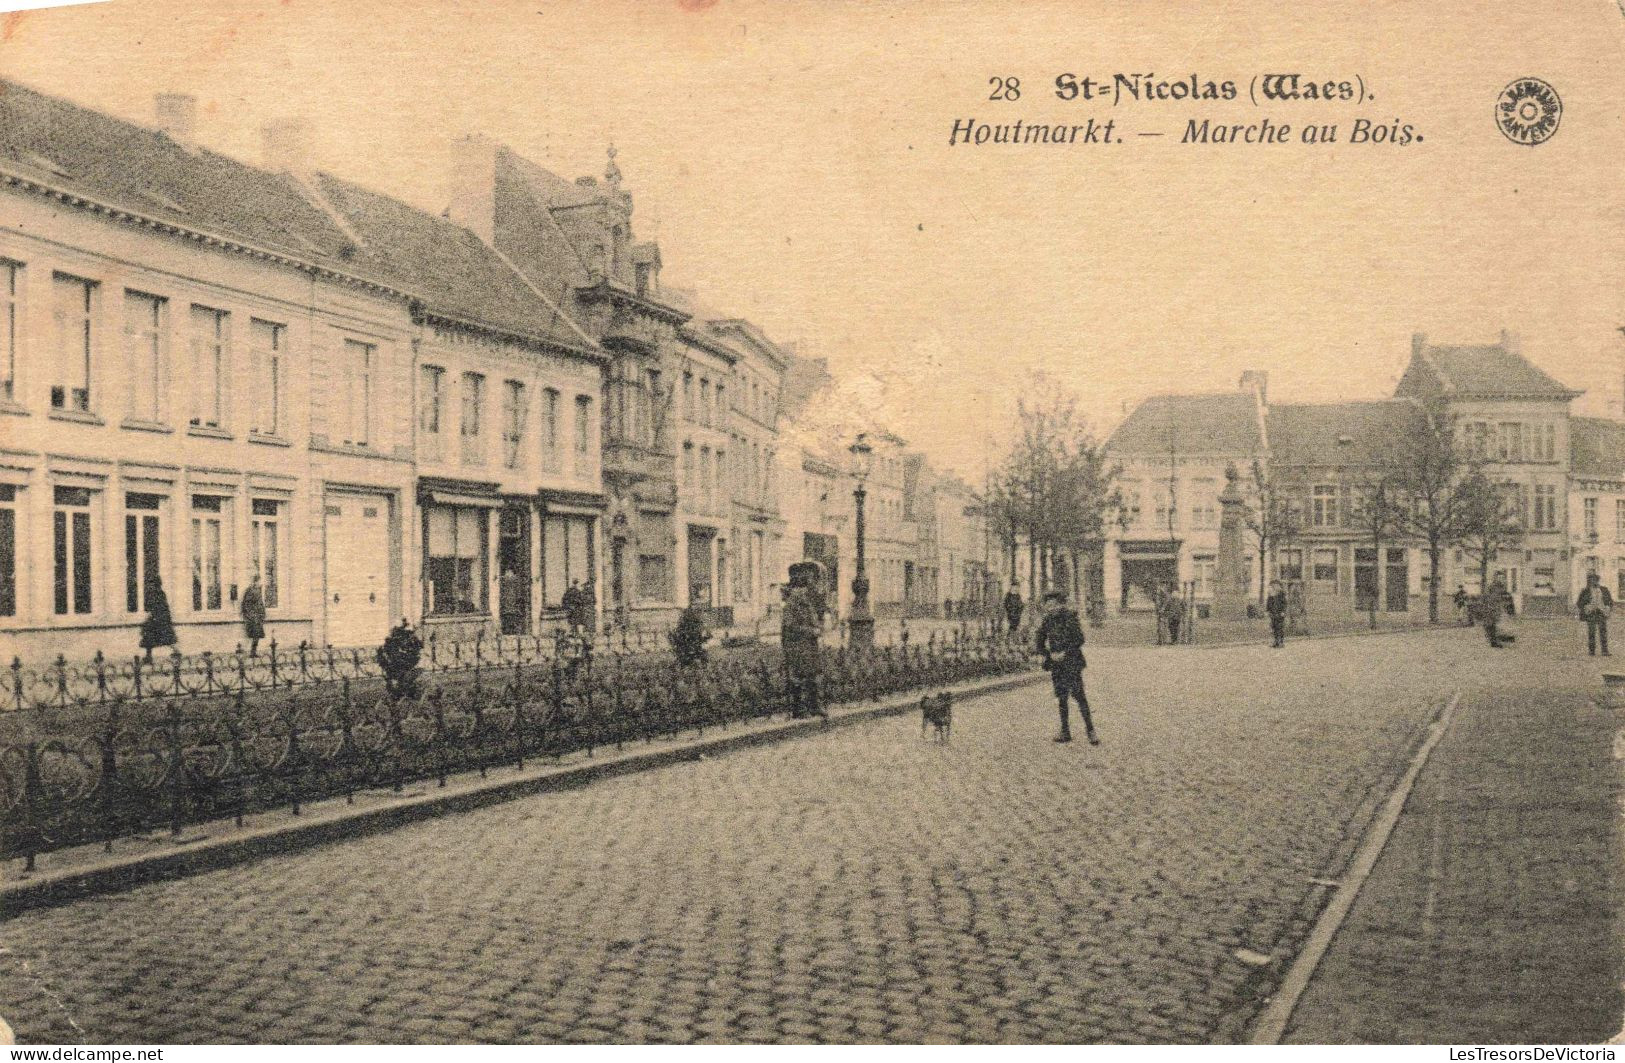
x,y
583,435
1619,520
722,408
688,467
1131,503
1205,567
142,538
10,293
143,332
1590,505
1323,506
720,480
705,401
550,430
265,548
265,372
1289,565
705,479
654,549
1205,506
473,400
72,547
688,396
1511,441
454,566
72,300
211,552
209,369
1326,566
567,556
1547,443
431,408
8,550
1545,506
513,421
356,425
1161,506
1477,435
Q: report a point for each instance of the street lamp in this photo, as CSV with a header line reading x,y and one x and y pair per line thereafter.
x,y
861,623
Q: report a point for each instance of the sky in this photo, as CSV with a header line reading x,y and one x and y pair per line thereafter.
x,y
793,161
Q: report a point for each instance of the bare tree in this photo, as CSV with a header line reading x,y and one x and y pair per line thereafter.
x,y
1273,516
1377,514
1492,521
1430,468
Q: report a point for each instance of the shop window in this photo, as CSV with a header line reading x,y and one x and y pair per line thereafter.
x,y
455,560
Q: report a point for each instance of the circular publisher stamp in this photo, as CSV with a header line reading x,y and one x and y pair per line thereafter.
x,y
1528,111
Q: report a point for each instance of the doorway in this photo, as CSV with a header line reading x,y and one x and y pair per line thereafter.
x,y
513,568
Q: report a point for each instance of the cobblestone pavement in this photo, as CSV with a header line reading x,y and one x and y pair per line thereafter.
x,y
1493,913
862,885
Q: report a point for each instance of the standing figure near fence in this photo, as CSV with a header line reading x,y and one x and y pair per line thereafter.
x,y
800,626
1297,610
1173,613
253,610
158,629
1060,643
1013,607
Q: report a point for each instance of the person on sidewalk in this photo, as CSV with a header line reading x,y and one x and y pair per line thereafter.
x,y
1594,606
253,610
1060,643
800,626
1275,606
1173,613
1013,608
158,629
1492,604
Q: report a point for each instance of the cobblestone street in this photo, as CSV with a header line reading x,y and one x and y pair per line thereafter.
x,y
863,885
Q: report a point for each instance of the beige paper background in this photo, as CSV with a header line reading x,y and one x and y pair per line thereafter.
x,y
793,162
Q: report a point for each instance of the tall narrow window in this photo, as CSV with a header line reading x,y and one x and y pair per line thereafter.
x,y
72,300
72,544
550,430
705,479
143,323
209,372
211,551
10,291
265,358
358,369
705,401
8,550
142,536
583,435
1590,511
513,422
265,548
431,402
473,401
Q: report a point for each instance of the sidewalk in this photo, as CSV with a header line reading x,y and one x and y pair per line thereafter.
x,y
1493,915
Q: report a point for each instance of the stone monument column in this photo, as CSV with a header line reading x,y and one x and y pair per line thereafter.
x,y
1230,596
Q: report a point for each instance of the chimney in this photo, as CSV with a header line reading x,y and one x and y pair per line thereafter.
x,y
177,116
1418,341
472,198
1256,381
287,146
1511,342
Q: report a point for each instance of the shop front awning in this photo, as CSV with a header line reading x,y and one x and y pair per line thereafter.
x,y
458,498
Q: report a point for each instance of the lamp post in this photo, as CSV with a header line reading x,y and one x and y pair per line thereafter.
x,y
861,622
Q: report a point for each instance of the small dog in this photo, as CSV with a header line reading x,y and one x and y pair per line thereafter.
x,y
937,711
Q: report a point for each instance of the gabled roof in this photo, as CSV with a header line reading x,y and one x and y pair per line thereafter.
x,y
1334,433
1597,448
1223,423
318,221
120,164
448,267
1490,370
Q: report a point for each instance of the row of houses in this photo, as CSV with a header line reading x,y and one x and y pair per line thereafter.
x,y
1566,474
215,372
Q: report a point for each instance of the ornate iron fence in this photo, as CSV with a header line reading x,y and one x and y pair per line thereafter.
x,y
121,765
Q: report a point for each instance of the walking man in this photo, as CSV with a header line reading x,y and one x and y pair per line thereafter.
x,y
1594,606
1275,606
1060,643
1491,604
1173,613
799,629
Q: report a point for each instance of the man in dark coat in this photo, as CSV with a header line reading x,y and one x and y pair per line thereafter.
x,y
159,628
1060,643
1492,604
1275,606
1594,605
1013,608
799,629
253,609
